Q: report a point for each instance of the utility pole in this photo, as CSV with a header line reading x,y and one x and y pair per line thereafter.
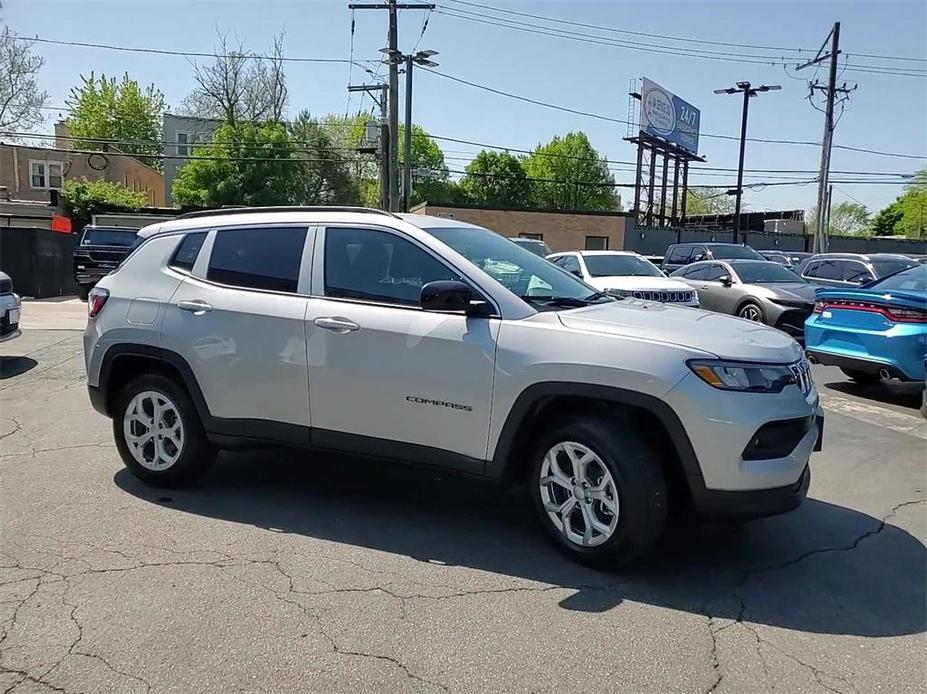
x,y
392,49
820,236
830,201
383,149
748,91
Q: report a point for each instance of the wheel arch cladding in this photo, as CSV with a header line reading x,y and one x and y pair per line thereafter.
x,y
122,363
656,421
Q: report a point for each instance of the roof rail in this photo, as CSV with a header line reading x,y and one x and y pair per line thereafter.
x,y
282,208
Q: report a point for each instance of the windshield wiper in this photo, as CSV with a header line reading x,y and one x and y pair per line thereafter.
x,y
569,301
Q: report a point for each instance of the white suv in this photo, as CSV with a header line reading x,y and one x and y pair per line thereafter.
x,y
430,340
625,274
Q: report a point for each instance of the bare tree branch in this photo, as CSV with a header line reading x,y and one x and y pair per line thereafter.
x,y
21,100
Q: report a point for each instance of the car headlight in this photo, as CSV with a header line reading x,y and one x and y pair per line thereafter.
x,y
791,303
750,378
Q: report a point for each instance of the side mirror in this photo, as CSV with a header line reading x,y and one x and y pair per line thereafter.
x,y
725,280
446,296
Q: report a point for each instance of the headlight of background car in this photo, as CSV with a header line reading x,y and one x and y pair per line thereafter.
x,y
751,378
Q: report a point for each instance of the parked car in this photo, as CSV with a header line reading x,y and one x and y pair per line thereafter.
x,y
100,250
758,290
681,254
873,332
536,246
408,346
851,269
10,306
791,259
625,274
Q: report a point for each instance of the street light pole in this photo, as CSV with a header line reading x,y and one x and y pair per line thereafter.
x,y
748,91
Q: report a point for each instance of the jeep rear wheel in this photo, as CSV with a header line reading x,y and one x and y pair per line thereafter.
x,y
598,489
158,432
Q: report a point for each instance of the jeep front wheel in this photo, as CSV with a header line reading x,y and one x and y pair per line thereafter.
x,y
598,489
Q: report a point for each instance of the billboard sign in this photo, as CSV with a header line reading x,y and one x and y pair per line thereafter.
x,y
665,115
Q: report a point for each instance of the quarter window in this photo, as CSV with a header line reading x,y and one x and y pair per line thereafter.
x,y
260,258
188,250
378,266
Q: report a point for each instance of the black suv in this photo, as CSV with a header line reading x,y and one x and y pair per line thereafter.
x,y
681,254
100,251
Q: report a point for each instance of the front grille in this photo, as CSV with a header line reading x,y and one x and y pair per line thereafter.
x,y
801,372
664,297
6,286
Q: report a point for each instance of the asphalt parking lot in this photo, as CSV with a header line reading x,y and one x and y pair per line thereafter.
x,y
287,572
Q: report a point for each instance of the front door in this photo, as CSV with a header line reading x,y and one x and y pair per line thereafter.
x,y
385,376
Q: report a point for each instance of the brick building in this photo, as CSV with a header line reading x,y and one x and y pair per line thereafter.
x,y
29,173
562,230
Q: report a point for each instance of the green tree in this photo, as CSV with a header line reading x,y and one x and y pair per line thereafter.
x,y
86,198
496,178
21,100
846,219
122,112
886,221
430,176
709,201
245,164
568,173
327,176
913,204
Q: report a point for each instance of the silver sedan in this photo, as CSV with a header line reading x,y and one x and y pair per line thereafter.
x,y
757,290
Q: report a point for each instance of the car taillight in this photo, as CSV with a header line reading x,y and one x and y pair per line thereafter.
x,y
907,315
819,306
96,300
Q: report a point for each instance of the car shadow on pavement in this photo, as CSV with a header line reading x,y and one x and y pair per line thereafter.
x,y
823,568
15,366
888,392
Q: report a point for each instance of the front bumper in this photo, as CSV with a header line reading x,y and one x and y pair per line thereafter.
x,y
759,503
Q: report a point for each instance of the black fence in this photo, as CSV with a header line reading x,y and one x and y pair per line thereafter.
x,y
38,260
654,241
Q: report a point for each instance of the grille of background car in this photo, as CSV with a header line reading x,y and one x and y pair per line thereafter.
x,y
665,297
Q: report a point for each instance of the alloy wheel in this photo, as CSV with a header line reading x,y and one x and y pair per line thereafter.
x,y
579,494
751,312
153,430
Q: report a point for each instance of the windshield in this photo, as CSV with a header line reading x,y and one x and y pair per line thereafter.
x,y
620,265
889,266
108,237
760,272
913,279
517,269
732,251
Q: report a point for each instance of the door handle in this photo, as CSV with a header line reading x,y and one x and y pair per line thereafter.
x,y
336,324
197,307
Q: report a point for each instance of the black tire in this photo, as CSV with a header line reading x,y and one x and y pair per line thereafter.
x,y
196,453
751,306
862,377
83,291
638,476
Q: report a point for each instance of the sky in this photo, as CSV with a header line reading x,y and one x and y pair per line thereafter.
x,y
885,112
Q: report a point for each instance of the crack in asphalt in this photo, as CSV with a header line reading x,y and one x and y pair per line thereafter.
x,y
749,575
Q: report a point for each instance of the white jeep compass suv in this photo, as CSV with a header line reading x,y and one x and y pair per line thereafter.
x,y
421,339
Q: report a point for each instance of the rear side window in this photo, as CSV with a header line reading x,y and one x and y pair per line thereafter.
x,y
856,272
262,258
825,269
186,253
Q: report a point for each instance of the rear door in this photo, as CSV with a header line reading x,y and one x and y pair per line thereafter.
x,y
238,320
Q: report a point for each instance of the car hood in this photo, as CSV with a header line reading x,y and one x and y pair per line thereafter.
x,y
714,333
797,291
639,283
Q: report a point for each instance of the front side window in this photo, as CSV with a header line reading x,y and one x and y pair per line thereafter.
x,y
517,269
596,243
679,254
188,250
715,272
259,258
693,272
855,272
620,266
571,264
825,269
378,266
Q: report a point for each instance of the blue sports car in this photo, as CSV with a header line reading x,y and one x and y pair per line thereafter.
x,y
873,332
